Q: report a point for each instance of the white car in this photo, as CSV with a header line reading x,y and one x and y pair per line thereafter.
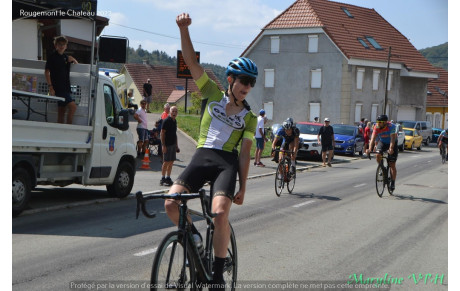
x,y
309,133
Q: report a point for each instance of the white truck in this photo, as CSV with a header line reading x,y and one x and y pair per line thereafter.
x,y
97,149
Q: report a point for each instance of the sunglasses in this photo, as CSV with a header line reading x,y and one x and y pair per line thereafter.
x,y
381,122
246,80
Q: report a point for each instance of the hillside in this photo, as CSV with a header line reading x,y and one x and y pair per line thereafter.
x,y
437,55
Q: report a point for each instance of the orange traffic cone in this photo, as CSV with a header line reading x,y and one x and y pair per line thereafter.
x,y
146,160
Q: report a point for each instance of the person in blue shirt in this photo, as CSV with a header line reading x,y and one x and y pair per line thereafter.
x,y
442,142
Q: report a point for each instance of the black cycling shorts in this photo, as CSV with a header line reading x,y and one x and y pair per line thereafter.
x,y
218,167
382,147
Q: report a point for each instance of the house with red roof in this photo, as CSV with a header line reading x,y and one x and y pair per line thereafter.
x,y
329,59
437,101
166,87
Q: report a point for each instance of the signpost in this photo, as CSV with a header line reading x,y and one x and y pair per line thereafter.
x,y
183,72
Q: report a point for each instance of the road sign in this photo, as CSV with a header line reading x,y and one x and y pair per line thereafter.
x,y
182,68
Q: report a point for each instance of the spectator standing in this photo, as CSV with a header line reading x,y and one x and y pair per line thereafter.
x,y
169,146
147,93
165,113
131,101
327,141
367,134
142,128
57,74
260,138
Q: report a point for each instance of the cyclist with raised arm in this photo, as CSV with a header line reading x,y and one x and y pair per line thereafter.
x,y
386,132
287,138
226,121
442,142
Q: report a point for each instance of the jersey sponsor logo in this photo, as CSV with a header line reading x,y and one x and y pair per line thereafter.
x,y
216,110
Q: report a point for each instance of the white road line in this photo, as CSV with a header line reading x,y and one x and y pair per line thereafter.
x,y
146,252
360,185
303,204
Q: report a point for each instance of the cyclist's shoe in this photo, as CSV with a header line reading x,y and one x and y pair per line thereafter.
x,y
168,182
392,185
217,285
163,182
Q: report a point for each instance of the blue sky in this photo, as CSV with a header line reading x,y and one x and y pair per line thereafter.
x,y
221,29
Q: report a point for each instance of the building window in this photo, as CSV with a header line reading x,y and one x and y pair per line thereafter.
x,y
274,44
437,120
269,78
363,43
268,107
358,108
374,43
347,12
390,79
315,110
313,43
360,78
374,111
375,80
316,78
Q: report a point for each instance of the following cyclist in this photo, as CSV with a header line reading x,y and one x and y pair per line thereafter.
x,y
226,121
442,142
386,132
287,138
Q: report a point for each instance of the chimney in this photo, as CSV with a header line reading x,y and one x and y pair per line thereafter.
x,y
145,62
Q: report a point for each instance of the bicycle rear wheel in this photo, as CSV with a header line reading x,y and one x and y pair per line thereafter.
x,y
443,154
170,270
231,261
279,178
291,183
380,180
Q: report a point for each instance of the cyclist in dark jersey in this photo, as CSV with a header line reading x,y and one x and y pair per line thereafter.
x,y
386,131
287,138
443,141
226,122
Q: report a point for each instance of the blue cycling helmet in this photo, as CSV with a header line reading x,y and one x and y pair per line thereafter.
x,y
242,66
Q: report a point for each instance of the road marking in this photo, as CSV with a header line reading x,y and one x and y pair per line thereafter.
x,y
303,204
146,252
360,185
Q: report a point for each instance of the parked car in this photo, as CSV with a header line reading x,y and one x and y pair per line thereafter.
x,y
309,133
348,140
436,133
413,139
423,127
401,137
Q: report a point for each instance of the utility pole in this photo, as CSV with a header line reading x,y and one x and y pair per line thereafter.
x,y
385,102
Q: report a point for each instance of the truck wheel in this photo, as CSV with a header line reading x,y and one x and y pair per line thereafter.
x,y
21,190
123,182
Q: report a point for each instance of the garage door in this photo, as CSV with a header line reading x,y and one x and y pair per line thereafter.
x,y
406,113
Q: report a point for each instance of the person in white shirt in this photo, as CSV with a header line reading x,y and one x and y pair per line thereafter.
x,y
142,128
260,138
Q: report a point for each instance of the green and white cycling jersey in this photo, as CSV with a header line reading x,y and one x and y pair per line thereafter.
x,y
217,130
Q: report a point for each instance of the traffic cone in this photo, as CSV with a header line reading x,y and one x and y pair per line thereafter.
x,y
146,160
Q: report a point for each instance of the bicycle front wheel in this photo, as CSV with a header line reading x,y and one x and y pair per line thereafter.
x,y
380,180
171,270
291,183
279,178
443,155
231,262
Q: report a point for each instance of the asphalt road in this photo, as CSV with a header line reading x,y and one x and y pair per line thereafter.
x,y
332,229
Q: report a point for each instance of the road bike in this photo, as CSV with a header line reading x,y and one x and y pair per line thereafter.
x,y
443,153
178,262
383,175
285,173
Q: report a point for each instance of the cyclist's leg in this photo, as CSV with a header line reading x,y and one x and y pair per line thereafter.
x,y
221,206
380,148
172,206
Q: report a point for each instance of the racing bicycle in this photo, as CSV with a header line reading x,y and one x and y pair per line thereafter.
x,y
383,175
443,153
178,262
285,173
